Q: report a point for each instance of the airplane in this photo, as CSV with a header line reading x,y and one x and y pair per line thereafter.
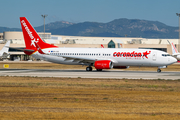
x,y
106,58
175,53
4,51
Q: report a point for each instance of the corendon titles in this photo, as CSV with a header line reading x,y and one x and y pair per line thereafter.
x,y
27,29
132,54
33,40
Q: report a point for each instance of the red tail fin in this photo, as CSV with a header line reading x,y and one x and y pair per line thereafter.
x,y
31,37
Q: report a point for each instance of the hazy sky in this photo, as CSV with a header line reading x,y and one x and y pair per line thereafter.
x,y
87,10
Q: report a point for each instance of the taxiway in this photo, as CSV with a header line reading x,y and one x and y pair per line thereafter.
x,y
94,74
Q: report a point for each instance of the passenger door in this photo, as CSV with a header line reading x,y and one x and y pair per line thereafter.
x,y
154,56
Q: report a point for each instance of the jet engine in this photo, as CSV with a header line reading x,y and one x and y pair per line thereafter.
x,y
103,64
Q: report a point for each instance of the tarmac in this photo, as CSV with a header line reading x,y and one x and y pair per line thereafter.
x,y
120,74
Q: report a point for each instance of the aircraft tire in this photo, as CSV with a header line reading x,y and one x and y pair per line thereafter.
x,y
88,68
158,70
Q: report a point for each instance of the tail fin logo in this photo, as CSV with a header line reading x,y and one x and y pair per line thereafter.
x,y
146,53
33,40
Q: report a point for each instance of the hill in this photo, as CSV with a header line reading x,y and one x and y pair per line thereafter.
x,y
116,28
119,28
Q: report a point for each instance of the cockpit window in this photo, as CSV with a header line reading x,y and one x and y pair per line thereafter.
x,y
165,55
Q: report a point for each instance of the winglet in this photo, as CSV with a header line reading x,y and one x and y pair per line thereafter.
x,y
102,46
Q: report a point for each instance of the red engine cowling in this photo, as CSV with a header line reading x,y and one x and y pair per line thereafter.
x,y
120,67
103,64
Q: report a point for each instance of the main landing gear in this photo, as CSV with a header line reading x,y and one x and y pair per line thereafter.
x,y
89,68
158,70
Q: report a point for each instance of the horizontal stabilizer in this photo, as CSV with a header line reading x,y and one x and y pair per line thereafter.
x,y
22,49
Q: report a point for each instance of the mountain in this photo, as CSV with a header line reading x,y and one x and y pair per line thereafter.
x,y
116,28
142,28
50,26
2,29
53,25
120,28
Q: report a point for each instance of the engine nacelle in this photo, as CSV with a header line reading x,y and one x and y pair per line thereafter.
x,y
120,67
103,64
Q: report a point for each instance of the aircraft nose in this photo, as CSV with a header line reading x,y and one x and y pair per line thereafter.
x,y
173,60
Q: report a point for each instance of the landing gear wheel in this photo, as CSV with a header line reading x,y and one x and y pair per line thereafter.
x,y
88,68
158,70
99,69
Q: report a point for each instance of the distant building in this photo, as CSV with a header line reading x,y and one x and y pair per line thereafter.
x,y
1,36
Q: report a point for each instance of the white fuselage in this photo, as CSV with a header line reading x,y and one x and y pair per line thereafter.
x,y
119,57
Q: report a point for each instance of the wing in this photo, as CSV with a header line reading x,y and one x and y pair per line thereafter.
x,y
79,59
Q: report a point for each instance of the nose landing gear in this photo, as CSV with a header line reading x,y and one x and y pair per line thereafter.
x,y
159,68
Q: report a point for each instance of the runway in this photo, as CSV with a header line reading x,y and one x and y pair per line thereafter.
x,y
94,74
